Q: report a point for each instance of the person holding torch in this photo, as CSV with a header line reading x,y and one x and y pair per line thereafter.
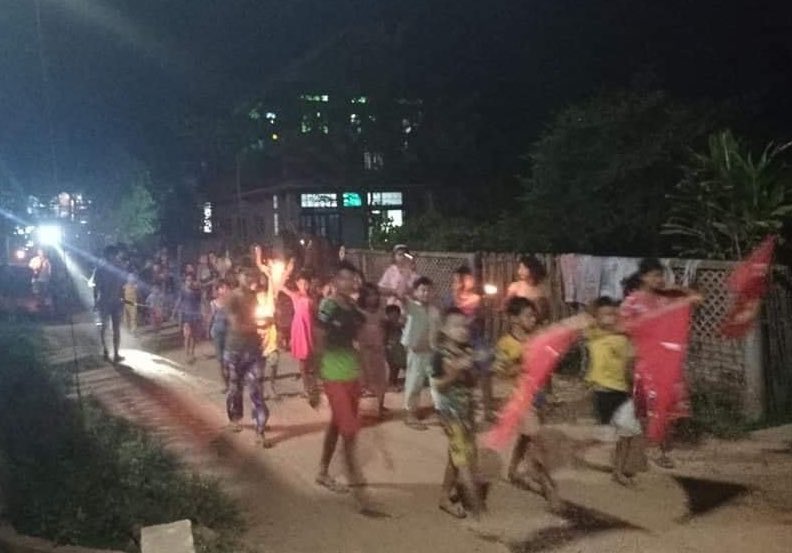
x,y
243,355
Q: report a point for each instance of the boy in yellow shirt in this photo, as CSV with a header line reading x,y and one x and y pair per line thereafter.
x,y
609,374
523,317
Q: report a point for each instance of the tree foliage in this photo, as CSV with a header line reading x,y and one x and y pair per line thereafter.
x,y
729,199
127,210
602,170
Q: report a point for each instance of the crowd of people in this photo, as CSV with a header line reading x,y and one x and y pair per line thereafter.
x,y
350,337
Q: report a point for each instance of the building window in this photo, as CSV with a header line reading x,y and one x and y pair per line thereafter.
x,y
275,202
207,224
352,199
372,161
359,100
393,217
271,117
318,200
385,198
324,98
275,224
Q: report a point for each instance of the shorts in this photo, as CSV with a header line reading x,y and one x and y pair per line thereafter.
x,y
606,402
344,398
461,443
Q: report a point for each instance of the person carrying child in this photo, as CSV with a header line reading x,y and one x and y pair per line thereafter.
x,y
523,315
453,379
610,361
420,333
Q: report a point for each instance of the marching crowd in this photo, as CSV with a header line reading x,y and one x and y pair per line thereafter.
x,y
351,337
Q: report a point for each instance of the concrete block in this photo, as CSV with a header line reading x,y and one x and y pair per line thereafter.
x,y
175,537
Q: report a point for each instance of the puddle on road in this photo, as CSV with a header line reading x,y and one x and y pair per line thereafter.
x,y
705,495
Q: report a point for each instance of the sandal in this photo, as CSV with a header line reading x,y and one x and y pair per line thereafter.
x,y
327,481
265,442
456,510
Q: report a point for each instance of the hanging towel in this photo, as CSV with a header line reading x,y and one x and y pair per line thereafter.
x,y
569,264
588,278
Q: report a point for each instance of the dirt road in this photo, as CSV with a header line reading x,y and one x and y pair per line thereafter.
x,y
748,508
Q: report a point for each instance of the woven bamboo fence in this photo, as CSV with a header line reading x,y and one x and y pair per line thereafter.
x,y
755,372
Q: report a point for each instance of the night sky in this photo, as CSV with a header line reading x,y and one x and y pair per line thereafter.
x,y
124,73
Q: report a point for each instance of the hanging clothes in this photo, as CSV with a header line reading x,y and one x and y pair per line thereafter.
x,y
689,275
615,270
568,264
668,271
588,278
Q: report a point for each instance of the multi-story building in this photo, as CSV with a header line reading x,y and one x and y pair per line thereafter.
x,y
328,165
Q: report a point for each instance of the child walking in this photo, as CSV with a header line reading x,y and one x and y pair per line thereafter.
x,y
453,379
420,332
395,353
188,307
610,363
653,294
338,326
302,330
371,343
218,327
131,303
523,317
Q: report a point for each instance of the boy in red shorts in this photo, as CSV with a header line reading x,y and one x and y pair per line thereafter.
x,y
339,322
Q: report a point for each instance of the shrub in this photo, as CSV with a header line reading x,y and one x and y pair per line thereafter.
x,y
81,476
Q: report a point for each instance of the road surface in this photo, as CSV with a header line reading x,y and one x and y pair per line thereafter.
x,y
748,507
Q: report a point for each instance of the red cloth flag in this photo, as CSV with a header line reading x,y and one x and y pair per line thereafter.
x,y
748,284
661,342
540,357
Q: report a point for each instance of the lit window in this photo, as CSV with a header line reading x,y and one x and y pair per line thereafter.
x,y
271,117
318,200
315,97
208,226
305,125
396,217
359,100
275,224
352,199
275,201
385,198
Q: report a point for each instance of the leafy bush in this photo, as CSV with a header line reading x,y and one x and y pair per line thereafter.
x,y
729,200
81,476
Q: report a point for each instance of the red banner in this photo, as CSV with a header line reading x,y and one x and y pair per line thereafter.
x,y
661,342
748,285
540,357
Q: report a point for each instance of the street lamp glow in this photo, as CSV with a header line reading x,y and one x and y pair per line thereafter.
x,y
50,235
20,254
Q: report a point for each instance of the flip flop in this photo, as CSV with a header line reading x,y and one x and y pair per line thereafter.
x,y
454,509
331,484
